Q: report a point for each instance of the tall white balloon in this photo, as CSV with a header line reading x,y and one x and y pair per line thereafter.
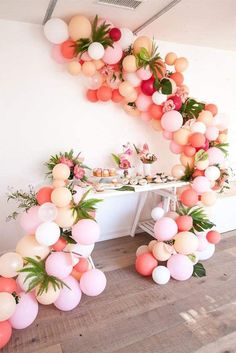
x,y
96,50
56,31
47,212
47,233
157,213
126,39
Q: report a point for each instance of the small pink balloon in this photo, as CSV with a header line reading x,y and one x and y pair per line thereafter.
x,y
201,184
145,116
113,55
143,102
70,297
175,148
86,231
180,267
59,264
165,229
215,155
167,135
29,220
93,282
57,56
26,311
212,133
85,56
171,121
144,73
202,242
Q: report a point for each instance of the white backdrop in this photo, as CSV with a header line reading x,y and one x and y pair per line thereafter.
x,y
43,111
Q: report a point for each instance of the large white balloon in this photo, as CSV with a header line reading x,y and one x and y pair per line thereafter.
x,y
212,173
22,281
96,51
198,126
83,250
159,98
207,253
157,213
126,39
56,30
47,233
47,212
161,275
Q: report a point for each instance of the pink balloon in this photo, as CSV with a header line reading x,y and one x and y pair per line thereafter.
x,y
143,102
202,242
93,282
113,55
57,56
86,232
201,184
145,116
26,311
70,297
180,267
172,214
29,220
221,121
171,121
167,135
144,73
175,148
59,264
215,155
212,133
85,56
165,229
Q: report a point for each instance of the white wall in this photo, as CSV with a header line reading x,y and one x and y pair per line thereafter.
x,y
43,111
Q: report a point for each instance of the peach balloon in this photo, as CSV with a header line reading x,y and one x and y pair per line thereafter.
x,y
142,42
7,306
205,117
181,64
104,93
208,198
29,247
61,197
178,171
222,138
77,275
61,171
187,161
142,250
211,108
162,251
132,97
156,125
89,68
186,243
98,64
125,89
65,217
10,263
74,68
48,297
151,244
181,136
58,183
131,110
129,63
178,78
170,58
79,27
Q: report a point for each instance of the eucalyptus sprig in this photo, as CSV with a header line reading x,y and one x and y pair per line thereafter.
x,y
191,109
200,219
39,279
84,207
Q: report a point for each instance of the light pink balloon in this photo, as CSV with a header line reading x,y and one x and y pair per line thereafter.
x,y
180,267
85,56
79,191
171,121
201,184
59,264
165,229
93,282
70,297
215,155
57,56
172,214
212,133
145,116
144,73
143,102
221,121
26,311
167,135
86,232
202,242
175,148
113,55
30,220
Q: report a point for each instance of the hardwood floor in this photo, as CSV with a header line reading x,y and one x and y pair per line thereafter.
x,y
134,315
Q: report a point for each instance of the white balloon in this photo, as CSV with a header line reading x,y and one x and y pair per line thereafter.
x,y
83,250
161,275
132,78
23,282
207,253
159,98
47,212
212,173
47,233
198,126
7,306
157,213
56,30
96,50
126,39
93,82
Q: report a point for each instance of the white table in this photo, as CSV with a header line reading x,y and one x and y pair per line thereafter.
x,y
166,190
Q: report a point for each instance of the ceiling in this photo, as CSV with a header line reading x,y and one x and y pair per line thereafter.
x,y
206,22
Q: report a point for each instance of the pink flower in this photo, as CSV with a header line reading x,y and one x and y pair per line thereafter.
x,y
78,172
182,92
168,106
124,164
66,161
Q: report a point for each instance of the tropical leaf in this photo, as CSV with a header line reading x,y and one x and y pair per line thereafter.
x,y
126,188
84,207
188,173
200,219
116,158
166,86
191,109
201,155
199,270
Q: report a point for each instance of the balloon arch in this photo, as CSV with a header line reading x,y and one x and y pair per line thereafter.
x,y
52,262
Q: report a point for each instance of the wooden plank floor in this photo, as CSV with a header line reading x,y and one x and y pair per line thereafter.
x,y
134,315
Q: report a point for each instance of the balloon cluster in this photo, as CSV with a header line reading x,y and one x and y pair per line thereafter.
x,y
179,246
51,263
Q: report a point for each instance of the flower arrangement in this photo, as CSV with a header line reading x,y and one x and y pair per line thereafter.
x,y
123,159
75,163
144,154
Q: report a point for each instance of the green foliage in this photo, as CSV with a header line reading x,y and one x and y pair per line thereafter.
x,y
39,277
201,155
199,270
54,160
25,200
81,211
191,109
200,219
126,188
144,58
116,158
66,234
222,146
166,86
188,173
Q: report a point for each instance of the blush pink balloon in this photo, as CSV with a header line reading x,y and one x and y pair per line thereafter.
x,y
201,184
165,229
143,102
86,232
93,282
30,220
70,297
26,311
59,264
180,267
113,55
145,116
212,133
171,121
215,155
202,242
57,56
85,56
144,73
175,148
167,135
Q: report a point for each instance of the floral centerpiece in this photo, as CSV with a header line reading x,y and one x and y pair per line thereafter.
x,y
123,160
146,158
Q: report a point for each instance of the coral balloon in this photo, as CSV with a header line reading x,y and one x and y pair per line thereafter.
x,y
170,58
89,68
113,54
86,231
116,96
5,333
61,197
186,243
79,27
93,282
26,311
197,139
172,121
184,223
181,64
104,93
92,95
189,151
180,267
82,266
213,237
10,264
189,198
178,78
29,247
69,298
68,49
145,264
165,229
44,194
129,63
60,244
211,108
7,285
61,171
155,111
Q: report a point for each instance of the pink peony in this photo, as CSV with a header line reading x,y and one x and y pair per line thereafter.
x,y
168,106
67,161
79,172
124,164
